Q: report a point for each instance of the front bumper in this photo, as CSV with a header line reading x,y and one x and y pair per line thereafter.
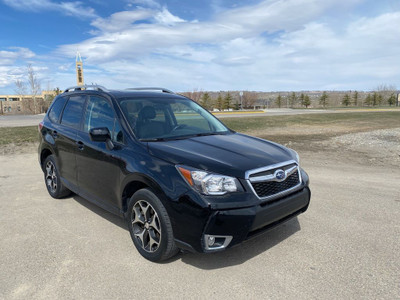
x,y
244,223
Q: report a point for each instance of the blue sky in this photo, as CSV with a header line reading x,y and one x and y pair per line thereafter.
x,y
272,45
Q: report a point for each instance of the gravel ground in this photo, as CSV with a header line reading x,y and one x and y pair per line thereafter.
x,y
379,146
346,246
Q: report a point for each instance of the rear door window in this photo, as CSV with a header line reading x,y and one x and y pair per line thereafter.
x,y
73,111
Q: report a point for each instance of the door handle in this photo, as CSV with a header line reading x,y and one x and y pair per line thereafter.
x,y
55,134
81,145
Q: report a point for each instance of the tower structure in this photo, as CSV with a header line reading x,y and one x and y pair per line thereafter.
x,y
79,69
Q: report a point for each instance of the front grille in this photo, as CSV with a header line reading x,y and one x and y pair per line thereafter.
x,y
270,188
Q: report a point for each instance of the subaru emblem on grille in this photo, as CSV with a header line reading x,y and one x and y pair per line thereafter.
x,y
280,175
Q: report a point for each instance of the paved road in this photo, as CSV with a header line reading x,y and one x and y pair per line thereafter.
x,y
346,246
20,120
271,112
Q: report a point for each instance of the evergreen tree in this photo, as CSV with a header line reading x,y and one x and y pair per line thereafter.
x,y
355,98
278,101
368,100
206,101
220,102
323,100
227,101
301,99
292,99
374,98
392,99
346,100
380,99
306,101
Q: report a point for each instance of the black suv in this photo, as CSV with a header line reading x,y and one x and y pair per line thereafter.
x,y
180,177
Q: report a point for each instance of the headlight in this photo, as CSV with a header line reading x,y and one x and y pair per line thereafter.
x,y
209,183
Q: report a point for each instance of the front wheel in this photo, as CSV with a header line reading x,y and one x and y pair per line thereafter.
x,y
150,226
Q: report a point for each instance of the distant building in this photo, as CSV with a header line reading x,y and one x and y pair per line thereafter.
x,y
398,99
25,104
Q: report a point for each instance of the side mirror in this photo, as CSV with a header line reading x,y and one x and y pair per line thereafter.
x,y
101,134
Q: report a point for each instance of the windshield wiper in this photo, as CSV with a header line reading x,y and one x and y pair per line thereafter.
x,y
171,138
153,140
207,133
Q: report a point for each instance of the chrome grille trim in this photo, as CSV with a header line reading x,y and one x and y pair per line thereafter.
x,y
271,178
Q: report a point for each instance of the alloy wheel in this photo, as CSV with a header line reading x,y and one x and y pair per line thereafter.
x,y
51,176
146,226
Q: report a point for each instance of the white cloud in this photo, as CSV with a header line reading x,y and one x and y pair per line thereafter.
x,y
121,32
145,3
75,9
164,17
8,57
274,45
121,21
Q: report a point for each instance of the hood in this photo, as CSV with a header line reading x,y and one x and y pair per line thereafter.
x,y
228,154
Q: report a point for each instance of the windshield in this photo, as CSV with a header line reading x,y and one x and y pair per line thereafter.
x,y
169,118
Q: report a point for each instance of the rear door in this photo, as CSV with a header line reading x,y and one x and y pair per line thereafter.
x,y
65,139
99,168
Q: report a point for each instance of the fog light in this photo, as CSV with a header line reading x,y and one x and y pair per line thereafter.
x,y
216,242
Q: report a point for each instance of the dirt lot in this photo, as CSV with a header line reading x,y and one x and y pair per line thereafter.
x,y
345,246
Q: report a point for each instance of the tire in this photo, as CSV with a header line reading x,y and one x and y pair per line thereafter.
x,y
150,226
52,179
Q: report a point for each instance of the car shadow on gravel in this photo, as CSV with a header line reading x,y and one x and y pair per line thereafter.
x,y
209,261
239,254
116,220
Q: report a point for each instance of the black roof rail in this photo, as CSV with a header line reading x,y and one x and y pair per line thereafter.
x,y
94,87
151,89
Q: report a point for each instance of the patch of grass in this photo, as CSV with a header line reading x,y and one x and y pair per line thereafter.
x,y
18,135
277,128
363,121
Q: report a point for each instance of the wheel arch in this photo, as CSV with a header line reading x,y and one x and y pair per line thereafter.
x,y
138,182
43,155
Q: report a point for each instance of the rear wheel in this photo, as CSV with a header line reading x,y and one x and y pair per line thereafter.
x,y
52,179
150,226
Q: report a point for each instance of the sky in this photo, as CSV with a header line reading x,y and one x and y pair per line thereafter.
x,y
272,45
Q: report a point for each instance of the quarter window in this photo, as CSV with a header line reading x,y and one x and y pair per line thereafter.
x,y
56,109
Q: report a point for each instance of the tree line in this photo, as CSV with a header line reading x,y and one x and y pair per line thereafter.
x,y
223,100
383,95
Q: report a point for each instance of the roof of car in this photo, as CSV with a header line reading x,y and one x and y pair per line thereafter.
x,y
147,92
139,94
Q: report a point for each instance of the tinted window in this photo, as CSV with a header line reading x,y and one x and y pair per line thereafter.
x,y
73,111
99,113
56,109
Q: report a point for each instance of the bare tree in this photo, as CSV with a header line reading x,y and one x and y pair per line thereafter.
x,y
20,88
34,84
249,99
195,95
385,91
